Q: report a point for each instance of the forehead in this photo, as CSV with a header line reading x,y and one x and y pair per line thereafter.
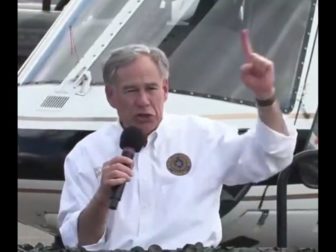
x,y
142,67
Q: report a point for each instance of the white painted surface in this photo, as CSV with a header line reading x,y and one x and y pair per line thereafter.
x,y
32,236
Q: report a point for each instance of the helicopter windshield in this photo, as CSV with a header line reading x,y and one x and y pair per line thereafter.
x,y
201,38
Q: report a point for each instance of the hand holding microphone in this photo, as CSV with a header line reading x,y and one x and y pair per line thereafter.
x,y
117,171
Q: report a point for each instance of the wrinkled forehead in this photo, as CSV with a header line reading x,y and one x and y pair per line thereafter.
x,y
142,69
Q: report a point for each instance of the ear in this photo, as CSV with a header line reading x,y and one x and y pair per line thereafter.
x,y
165,88
110,95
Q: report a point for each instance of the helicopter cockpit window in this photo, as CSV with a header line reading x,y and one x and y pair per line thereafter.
x,y
81,29
202,36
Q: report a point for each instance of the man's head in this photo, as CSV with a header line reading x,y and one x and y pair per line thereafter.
x,y
136,84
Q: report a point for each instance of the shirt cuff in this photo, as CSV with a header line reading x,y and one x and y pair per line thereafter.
x,y
274,142
69,234
68,230
99,245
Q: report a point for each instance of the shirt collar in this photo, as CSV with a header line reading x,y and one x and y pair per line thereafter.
x,y
162,131
154,138
116,133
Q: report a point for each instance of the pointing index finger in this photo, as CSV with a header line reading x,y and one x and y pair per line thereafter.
x,y
246,44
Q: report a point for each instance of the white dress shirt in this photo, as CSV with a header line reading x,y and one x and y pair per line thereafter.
x,y
158,206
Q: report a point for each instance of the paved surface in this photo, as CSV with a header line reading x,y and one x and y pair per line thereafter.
x,y
32,236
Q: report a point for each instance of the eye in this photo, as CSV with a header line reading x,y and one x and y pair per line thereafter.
x,y
130,90
152,88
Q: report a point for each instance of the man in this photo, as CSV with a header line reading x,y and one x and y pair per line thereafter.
x,y
173,184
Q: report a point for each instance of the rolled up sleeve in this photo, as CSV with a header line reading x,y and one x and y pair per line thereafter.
x,y
257,155
68,229
78,189
279,146
99,245
270,151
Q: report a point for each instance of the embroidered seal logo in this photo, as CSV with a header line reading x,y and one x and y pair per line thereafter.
x,y
179,164
97,171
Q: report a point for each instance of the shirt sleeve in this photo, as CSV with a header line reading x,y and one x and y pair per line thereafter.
x,y
256,155
78,189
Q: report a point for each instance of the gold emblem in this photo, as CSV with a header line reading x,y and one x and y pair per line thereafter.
x,y
179,164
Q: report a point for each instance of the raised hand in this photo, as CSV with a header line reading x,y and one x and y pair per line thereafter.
x,y
257,72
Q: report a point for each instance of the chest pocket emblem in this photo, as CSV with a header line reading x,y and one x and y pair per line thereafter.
x,y
98,171
179,164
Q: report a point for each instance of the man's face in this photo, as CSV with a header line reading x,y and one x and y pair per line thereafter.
x,y
139,94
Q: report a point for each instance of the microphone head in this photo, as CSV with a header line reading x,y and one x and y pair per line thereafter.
x,y
132,137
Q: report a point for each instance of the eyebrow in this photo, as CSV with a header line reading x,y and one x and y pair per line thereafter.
x,y
129,86
132,86
151,84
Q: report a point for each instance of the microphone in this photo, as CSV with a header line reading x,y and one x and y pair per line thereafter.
x,y
131,141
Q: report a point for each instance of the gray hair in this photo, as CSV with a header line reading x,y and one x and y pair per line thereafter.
x,y
124,55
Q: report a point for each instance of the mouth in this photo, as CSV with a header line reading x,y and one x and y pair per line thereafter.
x,y
143,117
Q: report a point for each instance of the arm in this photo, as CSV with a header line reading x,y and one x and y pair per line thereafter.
x,y
84,209
267,148
258,75
92,220
254,156
272,116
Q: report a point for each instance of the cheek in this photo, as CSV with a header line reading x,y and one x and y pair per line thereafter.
x,y
126,100
123,106
159,103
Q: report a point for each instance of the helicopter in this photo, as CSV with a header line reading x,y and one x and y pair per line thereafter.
x,y
34,20
201,39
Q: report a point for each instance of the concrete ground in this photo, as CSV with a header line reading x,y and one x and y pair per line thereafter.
x,y
32,236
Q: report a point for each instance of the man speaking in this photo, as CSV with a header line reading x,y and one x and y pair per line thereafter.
x,y
169,190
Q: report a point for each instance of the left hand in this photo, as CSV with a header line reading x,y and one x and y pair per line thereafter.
x,y
257,72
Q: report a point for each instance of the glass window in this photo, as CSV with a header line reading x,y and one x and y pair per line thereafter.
x,y
201,38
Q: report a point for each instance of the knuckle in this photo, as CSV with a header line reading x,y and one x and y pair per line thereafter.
x,y
114,173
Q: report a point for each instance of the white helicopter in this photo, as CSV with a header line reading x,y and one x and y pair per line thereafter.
x,y
61,95
34,20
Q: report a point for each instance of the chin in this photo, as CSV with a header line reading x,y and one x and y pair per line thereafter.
x,y
147,129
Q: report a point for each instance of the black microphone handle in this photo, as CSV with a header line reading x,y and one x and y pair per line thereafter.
x,y
118,190
116,196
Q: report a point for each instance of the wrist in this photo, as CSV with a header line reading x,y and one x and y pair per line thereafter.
x,y
101,199
265,102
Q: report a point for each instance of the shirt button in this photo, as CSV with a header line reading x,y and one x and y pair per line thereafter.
x,y
145,205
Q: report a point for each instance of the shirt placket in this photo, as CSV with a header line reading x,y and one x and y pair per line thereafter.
x,y
146,190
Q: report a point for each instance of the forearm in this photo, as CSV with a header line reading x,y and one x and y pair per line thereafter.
x,y
92,221
272,116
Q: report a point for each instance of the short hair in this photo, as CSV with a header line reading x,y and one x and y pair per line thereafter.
x,y
124,55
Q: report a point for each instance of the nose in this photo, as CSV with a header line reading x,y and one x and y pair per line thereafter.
x,y
142,99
